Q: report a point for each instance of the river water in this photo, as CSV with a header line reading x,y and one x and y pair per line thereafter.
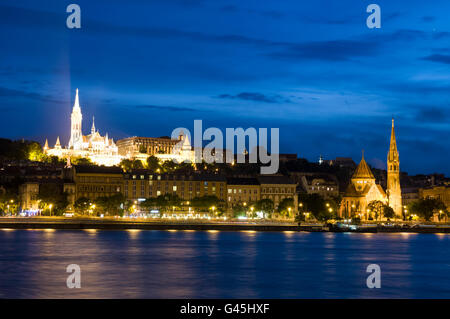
x,y
207,264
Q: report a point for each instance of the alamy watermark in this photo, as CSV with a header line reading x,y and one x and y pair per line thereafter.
x,y
374,19
74,279
374,279
73,21
235,140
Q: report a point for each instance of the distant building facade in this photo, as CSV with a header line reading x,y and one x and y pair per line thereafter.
x,y
135,145
143,184
438,192
242,191
326,185
277,188
92,182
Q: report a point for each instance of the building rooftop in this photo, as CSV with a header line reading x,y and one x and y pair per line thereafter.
x,y
275,179
87,169
242,181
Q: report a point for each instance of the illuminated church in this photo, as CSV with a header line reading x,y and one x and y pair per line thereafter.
x,y
363,189
99,149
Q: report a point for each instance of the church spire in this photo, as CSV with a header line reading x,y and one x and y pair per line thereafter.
x,y
76,104
58,144
93,125
76,118
393,176
393,153
46,145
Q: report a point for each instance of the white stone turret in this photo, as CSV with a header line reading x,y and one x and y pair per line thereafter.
x,y
76,135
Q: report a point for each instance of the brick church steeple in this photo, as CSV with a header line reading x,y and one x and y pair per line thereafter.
x,y
394,192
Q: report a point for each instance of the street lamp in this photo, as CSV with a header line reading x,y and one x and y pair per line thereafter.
x,y
50,207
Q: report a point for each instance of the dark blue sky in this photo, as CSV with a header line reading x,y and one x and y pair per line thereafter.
x,y
311,68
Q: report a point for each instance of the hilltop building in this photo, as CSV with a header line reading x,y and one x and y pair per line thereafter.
x,y
102,150
99,149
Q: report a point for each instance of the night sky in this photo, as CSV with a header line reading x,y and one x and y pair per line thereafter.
x,y
311,68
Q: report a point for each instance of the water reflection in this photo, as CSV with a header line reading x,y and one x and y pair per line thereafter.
x,y
219,264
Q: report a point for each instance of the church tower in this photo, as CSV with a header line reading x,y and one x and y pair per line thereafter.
x,y
394,192
76,135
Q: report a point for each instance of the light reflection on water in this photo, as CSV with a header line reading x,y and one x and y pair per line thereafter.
x,y
218,264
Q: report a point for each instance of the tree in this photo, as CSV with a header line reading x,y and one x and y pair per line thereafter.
x,y
265,205
52,200
83,161
153,163
286,207
377,208
169,166
129,165
204,203
426,208
82,205
239,210
109,205
316,205
388,212
34,151
9,203
162,202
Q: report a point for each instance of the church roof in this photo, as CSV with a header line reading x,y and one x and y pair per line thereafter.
x,y
351,190
363,171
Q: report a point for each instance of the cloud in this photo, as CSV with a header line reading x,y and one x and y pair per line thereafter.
x,y
338,50
433,115
264,13
428,19
440,58
166,108
257,97
5,92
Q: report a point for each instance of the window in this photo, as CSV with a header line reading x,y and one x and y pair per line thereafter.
x,y
174,188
